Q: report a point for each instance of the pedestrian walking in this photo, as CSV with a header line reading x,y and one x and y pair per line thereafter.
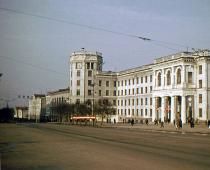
x,y
132,122
162,124
180,123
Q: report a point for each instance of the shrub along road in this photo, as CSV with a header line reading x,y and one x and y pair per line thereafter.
x,y
50,146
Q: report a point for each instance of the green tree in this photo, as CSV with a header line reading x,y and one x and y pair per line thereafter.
x,y
6,114
104,108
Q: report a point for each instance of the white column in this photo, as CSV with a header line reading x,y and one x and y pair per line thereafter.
x,y
183,109
183,76
162,108
172,109
154,103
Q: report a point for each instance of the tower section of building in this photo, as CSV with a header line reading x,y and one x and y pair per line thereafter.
x,y
84,66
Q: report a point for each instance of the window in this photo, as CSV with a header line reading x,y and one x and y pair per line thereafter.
x,y
129,92
129,102
133,102
125,112
137,90
145,89
129,111
133,91
89,82
150,89
122,83
89,73
159,79
141,79
78,73
137,112
137,101
200,98
178,76
88,65
200,83
107,83
89,93
114,93
129,82
145,79
125,82
168,78
137,80
125,102
141,90
78,92
121,102
99,82
121,111
125,92
150,112
118,92
92,65
150,101
114,102
115,83
200,69
78,82
190,77
132,112
145,112
142,102
150,78
121,92
200,112
99,92
133,81
118,83
145,101
141,112
107,92
118,102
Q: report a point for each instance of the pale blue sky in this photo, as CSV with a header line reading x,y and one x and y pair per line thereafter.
x,y
49,44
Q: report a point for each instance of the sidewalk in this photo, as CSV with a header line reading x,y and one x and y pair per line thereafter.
x,y
198,129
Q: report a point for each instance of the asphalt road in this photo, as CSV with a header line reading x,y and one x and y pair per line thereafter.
x,y
49,146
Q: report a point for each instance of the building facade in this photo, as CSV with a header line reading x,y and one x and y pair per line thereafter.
x,y
53,99
173,87
37,107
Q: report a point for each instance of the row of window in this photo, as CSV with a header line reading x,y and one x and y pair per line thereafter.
x,y
132,81
139,90
131,112
178,77
131,102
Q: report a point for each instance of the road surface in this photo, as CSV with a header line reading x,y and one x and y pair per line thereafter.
x,y
50,146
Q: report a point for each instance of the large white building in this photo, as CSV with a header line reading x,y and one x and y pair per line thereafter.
x,y
173,87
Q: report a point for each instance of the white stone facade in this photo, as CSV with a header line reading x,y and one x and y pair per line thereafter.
x,y
173,87
36,107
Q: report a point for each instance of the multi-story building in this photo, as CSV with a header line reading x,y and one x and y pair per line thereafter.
x,y
53,99
173,87
37,107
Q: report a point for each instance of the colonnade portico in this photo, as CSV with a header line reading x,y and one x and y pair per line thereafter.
x,y
170,108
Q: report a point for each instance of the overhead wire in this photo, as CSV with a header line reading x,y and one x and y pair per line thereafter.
x,y
164,44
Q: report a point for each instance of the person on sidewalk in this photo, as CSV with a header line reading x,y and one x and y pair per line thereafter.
x,y
162,124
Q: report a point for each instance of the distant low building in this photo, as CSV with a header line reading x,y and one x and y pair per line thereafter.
x,y
53,99
21,112
37,107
